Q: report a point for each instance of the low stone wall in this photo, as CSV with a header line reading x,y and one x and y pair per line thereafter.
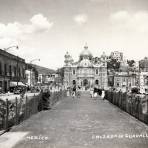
x,y
13,111
134,104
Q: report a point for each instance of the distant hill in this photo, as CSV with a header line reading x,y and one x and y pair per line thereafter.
x,y
43,70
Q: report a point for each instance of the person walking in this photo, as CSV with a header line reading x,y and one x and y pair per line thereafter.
x,y
103,94
99,91
78,92
91,92
68,91
74,91
96,91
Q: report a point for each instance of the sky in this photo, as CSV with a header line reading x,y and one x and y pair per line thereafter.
x,y
47,29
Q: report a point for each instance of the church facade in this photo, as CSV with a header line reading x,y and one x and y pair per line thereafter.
x,y
87,71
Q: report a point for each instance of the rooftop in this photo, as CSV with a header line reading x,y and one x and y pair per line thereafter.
x,y
11,56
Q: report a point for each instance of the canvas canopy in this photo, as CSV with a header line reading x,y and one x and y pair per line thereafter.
x,y
12,84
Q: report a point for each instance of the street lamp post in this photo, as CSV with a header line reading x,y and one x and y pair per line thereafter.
x,y
31,69
5,49
129,77
58,78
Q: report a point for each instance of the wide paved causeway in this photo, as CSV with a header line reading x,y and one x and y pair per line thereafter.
x,y
77,123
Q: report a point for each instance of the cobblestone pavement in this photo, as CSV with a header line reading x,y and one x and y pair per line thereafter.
x,y
78,123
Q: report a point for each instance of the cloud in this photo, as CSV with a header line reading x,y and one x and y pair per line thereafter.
x,y
129,31
81,19
96,0
120,15
15,31
40,23
10,30
131,21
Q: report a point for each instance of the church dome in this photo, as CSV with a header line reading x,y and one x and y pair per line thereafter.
x,y
85,53
124,66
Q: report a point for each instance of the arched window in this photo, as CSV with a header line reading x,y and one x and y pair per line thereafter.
x,y
85,82
74,82
10,72
5,69
96,82
0,68
117,84
15,72
74,72
97,72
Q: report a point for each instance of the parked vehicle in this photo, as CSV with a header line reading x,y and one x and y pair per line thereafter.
x,y
19,89
135,90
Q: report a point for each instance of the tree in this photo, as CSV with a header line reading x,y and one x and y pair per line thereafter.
x,y
35,73
60,72
96,60
131,63
113,64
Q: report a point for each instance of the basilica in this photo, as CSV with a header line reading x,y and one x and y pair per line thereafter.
x,y
87,71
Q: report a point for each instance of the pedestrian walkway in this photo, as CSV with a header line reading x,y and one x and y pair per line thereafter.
x,y
78,123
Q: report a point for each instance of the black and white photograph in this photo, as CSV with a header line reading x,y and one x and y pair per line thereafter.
x,y
73,73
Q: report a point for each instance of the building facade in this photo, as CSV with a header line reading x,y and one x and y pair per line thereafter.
x,y
143,75
46,78
87,71
117,55
36,74
44,75
30,77
124,81
12,69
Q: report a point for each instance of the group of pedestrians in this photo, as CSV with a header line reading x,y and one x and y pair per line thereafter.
x,y
74,91
96,92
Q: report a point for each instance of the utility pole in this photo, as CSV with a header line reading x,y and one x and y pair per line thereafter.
x,y
127,86
17,67
139,75
31,69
